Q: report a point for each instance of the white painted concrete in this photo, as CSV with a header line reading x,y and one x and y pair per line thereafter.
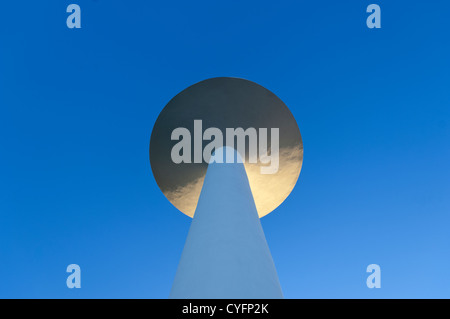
x,y
226,254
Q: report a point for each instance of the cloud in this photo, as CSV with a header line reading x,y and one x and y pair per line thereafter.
x,y
269,190
185,198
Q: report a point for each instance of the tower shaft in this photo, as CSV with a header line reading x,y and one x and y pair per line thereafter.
x,y
226,254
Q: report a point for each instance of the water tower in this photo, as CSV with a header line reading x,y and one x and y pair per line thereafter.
x,y
193,141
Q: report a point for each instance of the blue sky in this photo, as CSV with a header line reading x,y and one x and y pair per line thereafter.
x,y
78,106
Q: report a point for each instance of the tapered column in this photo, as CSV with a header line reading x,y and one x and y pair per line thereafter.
x,y
226,254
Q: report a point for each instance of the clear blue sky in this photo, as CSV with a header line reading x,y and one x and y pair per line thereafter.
x,y
78,107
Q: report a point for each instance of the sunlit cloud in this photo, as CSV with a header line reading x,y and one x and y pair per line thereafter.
x,y
269,190
185,198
